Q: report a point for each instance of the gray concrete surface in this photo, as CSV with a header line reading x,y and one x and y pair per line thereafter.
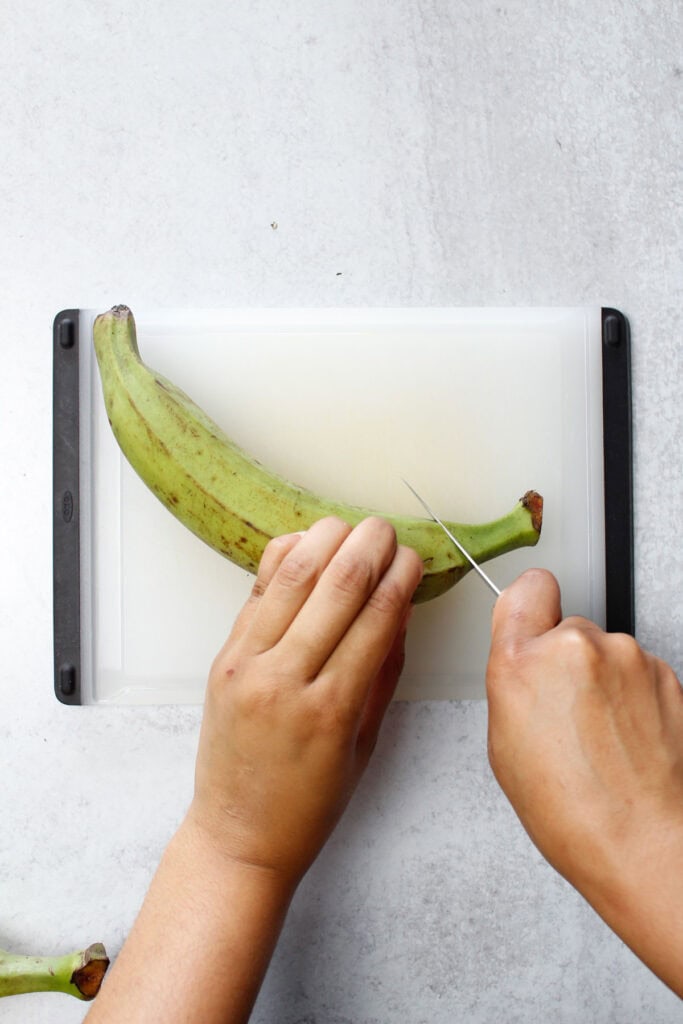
x,y
425,153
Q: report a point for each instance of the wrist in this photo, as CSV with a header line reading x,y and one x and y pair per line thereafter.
x,y
214,859
639,893
201,943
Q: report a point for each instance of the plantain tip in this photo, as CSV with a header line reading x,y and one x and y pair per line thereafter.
x,y
533,501
120,312
89,975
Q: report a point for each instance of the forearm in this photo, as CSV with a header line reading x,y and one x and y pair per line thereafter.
x,y
201,943
642,901
293,707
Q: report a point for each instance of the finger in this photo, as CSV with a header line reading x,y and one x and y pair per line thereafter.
x,y
527,608
293,581
359,657
274,553
342,590
383,689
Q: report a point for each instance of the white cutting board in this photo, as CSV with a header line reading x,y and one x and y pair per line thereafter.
x,y
473,406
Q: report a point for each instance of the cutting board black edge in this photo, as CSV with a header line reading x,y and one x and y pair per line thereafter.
x,y
618,476
618,472
66,543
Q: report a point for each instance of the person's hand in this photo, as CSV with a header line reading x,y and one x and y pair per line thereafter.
x,y
586,741
296,696
294,703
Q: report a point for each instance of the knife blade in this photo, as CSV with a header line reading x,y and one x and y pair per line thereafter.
x,y
455,540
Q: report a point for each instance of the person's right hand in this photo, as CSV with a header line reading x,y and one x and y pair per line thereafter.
x,y
586,740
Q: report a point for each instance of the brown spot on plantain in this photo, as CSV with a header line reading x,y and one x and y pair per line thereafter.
x,y
156,440
256,529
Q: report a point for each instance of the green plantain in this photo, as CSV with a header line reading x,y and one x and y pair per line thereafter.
x,y
76,974
236,505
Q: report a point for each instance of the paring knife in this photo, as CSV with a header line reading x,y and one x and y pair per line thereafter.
x,y
457,543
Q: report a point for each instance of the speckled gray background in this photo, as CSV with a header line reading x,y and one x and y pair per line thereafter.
x,y
424,153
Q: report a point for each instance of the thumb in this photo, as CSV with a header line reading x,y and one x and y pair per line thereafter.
x,y
527,608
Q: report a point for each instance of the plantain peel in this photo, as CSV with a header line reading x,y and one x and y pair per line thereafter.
x,y
234,504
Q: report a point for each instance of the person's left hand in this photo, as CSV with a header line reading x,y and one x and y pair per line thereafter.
x,y
296,696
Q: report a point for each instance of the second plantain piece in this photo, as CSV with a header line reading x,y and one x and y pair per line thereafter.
x,y
233,503
77,974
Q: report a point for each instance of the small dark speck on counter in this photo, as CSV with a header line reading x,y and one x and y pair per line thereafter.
x,y
339,273
273,225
